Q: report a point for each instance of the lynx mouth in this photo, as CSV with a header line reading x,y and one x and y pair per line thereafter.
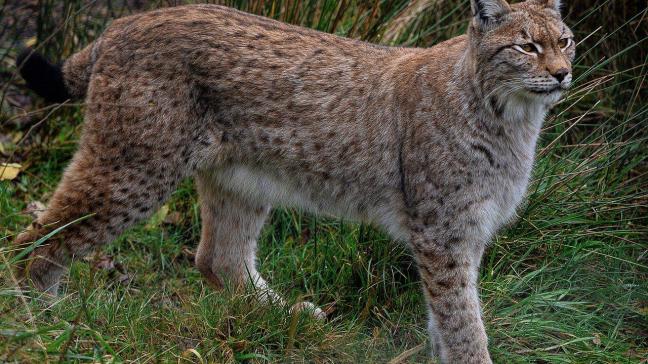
x,y
545,91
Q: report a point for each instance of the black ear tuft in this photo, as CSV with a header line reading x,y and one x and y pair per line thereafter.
x,y
43,77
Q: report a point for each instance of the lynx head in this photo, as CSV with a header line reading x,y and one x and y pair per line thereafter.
x,y
520,52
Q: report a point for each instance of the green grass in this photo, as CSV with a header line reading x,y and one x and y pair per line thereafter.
x,y
567,283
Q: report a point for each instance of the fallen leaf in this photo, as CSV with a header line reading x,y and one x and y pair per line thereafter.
x,y
16,137
5,144
31,42
238,345
643,310
173,218
158,218
9,171
187,354
597,339
102,261
115,270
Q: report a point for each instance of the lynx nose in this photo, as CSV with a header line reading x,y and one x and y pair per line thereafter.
x,y
561,74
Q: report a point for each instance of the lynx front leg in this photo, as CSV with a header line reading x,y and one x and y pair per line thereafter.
x,y
448,272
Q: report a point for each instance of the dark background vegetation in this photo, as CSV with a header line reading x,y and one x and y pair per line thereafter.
x,y
566,284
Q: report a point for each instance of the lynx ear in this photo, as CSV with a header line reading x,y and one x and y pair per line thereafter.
x,y
489,12
551,4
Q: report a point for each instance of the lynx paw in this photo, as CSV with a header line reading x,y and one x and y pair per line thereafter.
x,y
310,308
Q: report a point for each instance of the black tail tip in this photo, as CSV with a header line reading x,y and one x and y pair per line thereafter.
x,y
43,77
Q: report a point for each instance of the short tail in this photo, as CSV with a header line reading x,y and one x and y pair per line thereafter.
x,y
56,83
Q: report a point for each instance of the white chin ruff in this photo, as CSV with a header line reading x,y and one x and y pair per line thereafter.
x,y
528,107
548,98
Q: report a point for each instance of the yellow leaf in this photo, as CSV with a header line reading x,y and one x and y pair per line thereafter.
x,y
15,137
189,352
9,171
158,218
30,42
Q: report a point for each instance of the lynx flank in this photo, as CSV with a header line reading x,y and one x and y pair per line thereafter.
x,y
433,145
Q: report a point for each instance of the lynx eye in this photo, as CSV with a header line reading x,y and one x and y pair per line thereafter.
x,y
564,43
526,48
529,47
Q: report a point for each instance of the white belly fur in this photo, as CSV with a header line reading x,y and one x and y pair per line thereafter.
x,y
272,189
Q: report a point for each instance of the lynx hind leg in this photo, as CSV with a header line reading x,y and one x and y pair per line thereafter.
x,y
228,246
112,188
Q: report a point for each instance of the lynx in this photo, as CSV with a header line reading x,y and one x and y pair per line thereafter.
x,y
435,145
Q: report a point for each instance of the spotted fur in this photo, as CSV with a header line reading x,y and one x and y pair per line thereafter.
x,y
433,145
